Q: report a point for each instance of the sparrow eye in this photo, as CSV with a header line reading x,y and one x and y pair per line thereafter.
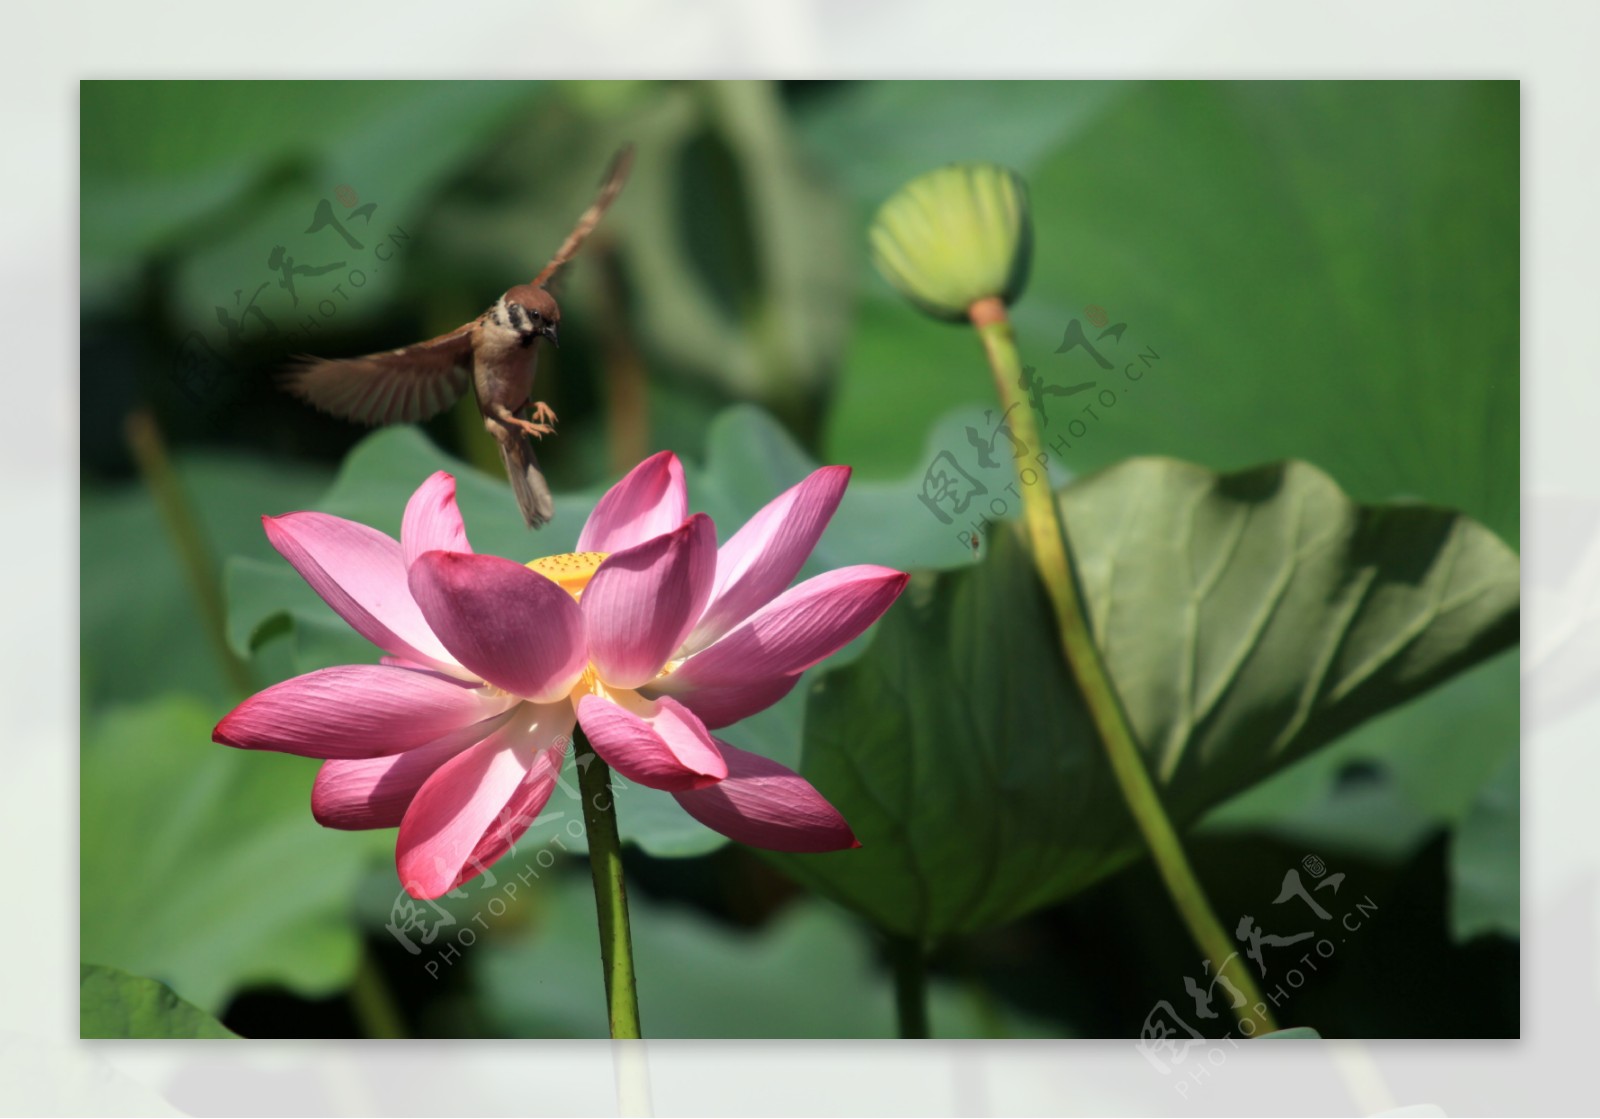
x,y
535,314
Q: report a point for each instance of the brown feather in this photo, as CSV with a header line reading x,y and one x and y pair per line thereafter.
x,y
399,386
527,480
615,177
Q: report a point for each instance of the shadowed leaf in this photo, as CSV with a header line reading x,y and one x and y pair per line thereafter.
x,y
1246,619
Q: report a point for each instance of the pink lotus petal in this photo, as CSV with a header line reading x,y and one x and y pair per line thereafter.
x,y
768,805
644,600
432,522
763,557
723,706
456,675
355,711
466,801
513,627
354,794
361,573
793,632
649,500
657,743
520,811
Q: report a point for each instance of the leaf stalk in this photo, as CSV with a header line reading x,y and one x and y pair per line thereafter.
x,y
1052,556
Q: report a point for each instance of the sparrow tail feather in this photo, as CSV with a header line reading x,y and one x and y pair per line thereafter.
x,y
527,480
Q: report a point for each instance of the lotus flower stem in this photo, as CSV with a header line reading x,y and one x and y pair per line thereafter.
x,y
910,964
1052,557
610,892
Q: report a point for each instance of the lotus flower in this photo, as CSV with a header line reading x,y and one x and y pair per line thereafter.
x,y
649,637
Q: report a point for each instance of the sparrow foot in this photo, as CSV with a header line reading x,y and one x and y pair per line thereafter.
x,y
543,413
537,430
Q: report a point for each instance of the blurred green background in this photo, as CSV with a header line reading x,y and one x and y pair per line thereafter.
x,y
1329,271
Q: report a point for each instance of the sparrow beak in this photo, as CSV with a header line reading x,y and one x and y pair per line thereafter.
x,y
549,331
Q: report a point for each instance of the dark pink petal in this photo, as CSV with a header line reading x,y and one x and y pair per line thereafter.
x,y
432,522
657,743
766,554
793,632
650,499
767,805
355,711
358,793
480,794
361,573
644,600
723,706
511,626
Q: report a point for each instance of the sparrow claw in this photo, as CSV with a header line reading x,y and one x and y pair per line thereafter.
x,y
537,430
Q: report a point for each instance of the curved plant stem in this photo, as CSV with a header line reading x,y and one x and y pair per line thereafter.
x,y
910,965
1052,557
373,1002
150,454
610,893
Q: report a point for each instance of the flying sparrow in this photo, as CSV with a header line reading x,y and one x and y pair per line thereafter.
x,y
496,353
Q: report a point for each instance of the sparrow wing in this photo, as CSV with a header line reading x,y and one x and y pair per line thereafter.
x,y
616,175
399,386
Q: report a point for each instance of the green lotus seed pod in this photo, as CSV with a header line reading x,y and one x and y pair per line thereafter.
x,y
954,236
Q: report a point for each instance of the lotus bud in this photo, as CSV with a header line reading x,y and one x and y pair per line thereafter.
x,y
954,237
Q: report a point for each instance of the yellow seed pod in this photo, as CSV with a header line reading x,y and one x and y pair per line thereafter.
x,y
570,571
954,236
